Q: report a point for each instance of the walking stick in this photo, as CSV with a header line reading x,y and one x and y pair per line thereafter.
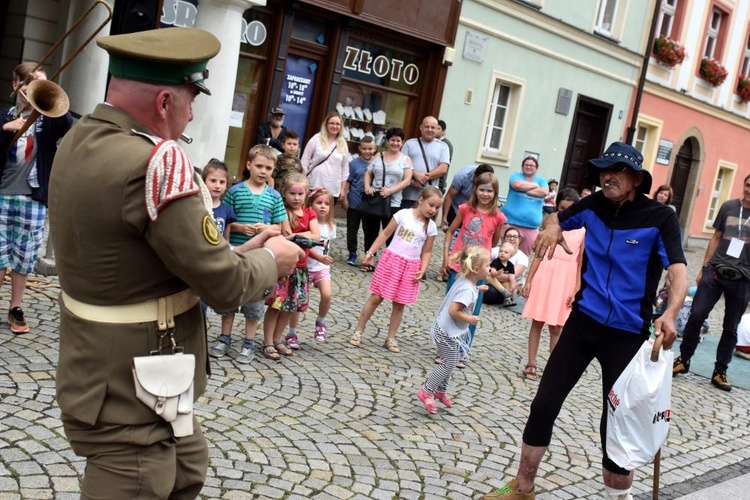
x,y
657,466
657,458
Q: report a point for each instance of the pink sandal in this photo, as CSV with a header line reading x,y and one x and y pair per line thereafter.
x,y
443,398
427,401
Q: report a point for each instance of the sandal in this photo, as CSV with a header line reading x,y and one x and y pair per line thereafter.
x,y
282,348
427,400
270,352
356,339
367,268
391,345
461,363
530,372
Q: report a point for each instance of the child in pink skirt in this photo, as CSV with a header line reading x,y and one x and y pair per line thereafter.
x,y
551,287
403,263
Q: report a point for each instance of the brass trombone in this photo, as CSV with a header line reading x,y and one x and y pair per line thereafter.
x,y
46,97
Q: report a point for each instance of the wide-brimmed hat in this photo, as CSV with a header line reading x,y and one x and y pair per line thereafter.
x,y
620,153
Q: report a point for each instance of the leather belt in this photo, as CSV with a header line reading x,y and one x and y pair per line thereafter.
x,y
162,310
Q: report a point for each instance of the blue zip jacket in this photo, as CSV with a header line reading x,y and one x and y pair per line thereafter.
x,y
626,250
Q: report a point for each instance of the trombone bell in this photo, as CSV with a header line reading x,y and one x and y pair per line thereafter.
x,y
48,98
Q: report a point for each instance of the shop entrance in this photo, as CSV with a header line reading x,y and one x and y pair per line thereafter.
x,y
587,135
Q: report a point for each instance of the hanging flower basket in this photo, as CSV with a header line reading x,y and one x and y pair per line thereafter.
x,y
669,52
743,88
713,72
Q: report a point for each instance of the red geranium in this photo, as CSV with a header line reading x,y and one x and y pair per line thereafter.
x,y
713,72
743,88
668,51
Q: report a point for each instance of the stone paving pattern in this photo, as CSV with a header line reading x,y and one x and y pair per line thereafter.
x,y
335,421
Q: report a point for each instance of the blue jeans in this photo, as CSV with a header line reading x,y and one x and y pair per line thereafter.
x,y
736,297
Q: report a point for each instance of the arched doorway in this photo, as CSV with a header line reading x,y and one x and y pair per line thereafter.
x,y
681,174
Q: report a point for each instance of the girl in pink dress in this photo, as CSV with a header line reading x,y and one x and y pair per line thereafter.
x,y
551,287
403,264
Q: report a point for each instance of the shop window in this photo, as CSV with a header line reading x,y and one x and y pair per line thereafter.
x,y
377,89
646,140
715,34
606,18
502,118
720,192
309,30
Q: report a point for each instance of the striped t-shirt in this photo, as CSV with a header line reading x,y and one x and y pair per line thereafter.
x,y
249,208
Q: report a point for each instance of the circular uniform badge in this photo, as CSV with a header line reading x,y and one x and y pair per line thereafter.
x,y
210,231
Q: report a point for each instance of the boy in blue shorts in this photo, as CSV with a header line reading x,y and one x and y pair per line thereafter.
x,y
256,207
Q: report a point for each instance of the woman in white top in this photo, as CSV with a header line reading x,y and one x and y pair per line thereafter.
x,y
326,157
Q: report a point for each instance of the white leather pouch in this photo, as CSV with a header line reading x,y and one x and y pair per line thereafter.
x,y
164,383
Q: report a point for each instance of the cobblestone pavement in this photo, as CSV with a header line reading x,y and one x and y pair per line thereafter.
x,y
334,421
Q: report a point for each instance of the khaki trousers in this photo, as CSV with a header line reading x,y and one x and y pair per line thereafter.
x,y
138,461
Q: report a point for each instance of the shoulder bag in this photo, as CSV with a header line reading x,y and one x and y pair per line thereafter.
x,y
322,161
375,205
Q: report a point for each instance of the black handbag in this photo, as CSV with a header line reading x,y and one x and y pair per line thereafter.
x,y
375,205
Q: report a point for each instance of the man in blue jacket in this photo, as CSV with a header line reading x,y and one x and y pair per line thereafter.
x,y
630,239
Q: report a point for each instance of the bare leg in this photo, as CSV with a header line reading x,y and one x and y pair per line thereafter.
x,y
535,337
370,305
531,457
397,314
251,327
227,322
325,298
17,288
294,320
269,324
554,336
281,323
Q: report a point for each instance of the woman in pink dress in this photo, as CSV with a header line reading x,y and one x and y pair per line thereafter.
x,y
551,287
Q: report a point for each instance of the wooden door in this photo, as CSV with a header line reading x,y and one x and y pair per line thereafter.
x,y
681,174
587,135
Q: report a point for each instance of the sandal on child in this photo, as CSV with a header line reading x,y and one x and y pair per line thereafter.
x,y
270,352
530,372
367,268
282,348
391,345
443,398
427,401
356,339
461,363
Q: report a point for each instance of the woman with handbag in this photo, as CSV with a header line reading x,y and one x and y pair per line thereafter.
x,y
387,175
325,160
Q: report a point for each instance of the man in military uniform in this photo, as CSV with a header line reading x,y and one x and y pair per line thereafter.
x,y
136,244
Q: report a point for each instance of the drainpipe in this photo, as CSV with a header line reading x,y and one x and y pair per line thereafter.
x,y
644,69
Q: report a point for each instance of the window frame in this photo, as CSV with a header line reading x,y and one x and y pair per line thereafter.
x,y
718,197
603,4
501,155
650,149
664,11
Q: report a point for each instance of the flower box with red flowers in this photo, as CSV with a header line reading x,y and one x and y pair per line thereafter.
x,y
713,72
743,88
669,52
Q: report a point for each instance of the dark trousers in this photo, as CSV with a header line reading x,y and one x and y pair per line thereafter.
x,y
371,227
353,219
406,204
736,297
582,340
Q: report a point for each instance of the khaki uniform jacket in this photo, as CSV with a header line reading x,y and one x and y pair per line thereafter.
x,y
109,252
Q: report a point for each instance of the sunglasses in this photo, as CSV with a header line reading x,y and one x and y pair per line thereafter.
x,y
617,168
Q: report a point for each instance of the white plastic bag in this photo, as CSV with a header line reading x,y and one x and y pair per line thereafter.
x,y
639,409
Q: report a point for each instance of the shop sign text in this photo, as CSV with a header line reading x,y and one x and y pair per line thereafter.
x,y
361,61
182,13
296,86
